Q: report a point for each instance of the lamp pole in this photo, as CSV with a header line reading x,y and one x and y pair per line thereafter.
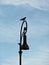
x,y
23,34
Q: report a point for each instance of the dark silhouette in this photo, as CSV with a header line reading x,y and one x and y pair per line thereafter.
x,y
23,46
23,18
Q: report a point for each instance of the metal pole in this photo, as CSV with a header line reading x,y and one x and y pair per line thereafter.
x,y
20,54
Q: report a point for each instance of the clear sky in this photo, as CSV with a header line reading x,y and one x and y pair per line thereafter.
x,y
37,13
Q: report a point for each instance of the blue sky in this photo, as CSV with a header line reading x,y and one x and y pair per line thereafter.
x,y
37,13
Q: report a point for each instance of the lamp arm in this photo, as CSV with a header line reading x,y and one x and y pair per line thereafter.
x,y
21,30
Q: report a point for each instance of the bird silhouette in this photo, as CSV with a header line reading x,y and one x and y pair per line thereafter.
x,y
23,18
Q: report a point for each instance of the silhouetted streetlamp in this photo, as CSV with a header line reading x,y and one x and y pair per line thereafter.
x,y
23,38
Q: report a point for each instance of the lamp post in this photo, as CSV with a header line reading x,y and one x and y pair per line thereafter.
x,y
23,46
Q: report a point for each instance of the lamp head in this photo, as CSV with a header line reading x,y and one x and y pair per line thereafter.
x,y
25,45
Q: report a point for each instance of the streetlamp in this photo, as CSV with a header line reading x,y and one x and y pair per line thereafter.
x,y
23,46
